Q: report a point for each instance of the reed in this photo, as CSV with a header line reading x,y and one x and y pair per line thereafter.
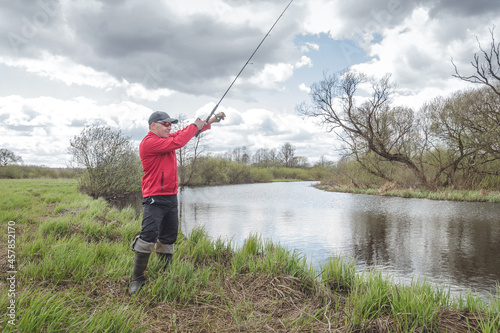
x,y
339,274
441,194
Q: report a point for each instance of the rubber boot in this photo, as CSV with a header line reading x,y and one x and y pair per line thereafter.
x,y
165,258
138,279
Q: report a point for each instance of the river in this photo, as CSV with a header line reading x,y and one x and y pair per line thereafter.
x,y
453,244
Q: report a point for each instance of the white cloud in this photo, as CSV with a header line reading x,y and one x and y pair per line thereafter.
x,y
308,46
418,55
137,90
304,88
271,75
41,127
62,69
304,61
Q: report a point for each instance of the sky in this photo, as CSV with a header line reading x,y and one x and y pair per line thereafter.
x,y
68,64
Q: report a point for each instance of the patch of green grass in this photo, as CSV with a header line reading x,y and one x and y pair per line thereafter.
x,y
43,310
339,274
74,264
369,298
49,310
417,306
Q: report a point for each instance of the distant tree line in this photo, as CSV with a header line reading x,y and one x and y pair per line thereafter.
x,y
266,157
15,171
12,167
239,165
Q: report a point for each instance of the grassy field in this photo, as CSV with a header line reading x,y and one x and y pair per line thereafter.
x,y
73,262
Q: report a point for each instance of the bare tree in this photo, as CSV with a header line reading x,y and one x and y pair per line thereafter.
x,y
8,157
245,155
236,154
465,133
481,115
371,126
300,162
273,157
486,64
260,156
449,140
287,154
323,162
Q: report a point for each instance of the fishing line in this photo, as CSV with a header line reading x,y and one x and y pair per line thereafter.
x,y
255,51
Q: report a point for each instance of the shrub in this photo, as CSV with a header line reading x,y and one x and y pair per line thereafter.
x,y
113,168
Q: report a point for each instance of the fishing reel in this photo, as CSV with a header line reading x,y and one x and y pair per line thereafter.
x,y
220,116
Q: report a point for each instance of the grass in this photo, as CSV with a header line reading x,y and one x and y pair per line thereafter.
x,y
73,262
443,194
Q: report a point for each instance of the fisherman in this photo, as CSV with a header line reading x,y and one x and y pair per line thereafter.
x,y
159,190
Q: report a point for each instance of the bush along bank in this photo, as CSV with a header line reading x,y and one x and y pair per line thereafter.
x,y
74,263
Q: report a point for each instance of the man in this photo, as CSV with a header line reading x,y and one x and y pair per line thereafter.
x,y
159,190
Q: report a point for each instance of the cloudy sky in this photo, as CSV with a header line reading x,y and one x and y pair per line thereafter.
x,y
67,64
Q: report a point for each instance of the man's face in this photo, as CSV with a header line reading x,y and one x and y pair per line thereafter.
x,y
162,129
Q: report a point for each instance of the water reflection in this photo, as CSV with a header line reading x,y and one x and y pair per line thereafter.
x,y
447,241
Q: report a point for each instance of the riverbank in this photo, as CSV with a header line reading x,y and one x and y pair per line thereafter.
x,y
73,262
443,194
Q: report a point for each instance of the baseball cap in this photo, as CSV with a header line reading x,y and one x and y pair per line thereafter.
x,y
161,116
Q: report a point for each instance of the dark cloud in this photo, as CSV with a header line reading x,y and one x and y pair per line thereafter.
x,y
29,27
373,16
143,42
376,15
463,8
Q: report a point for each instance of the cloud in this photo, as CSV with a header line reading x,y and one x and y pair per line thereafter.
x,y
66,64
138,91
463,8
48,130
304,88
63,69
308,46
271,75
191,48
304,61
418,54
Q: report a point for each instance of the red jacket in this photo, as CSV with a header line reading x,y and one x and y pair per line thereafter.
x,y
159,161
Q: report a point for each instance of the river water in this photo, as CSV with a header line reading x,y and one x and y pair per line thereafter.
x,y
453,244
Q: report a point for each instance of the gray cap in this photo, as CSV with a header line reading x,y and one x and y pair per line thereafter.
x,y
161,116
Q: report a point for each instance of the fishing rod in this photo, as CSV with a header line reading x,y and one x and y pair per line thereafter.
x,y
222,115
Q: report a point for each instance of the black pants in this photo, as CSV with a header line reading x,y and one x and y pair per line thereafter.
x,y
160,219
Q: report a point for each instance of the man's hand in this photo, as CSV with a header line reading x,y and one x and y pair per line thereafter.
x,y
217,118
200,123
